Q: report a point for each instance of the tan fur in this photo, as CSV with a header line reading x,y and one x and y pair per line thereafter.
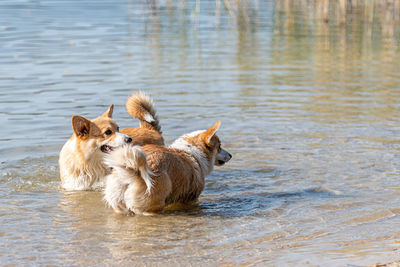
x,y
142,136
140,106
144,180
81,159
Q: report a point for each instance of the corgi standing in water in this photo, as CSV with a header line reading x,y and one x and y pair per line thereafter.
x,y
81,158
146,179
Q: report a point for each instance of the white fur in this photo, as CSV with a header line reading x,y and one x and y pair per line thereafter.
x,y
118,141
78,176
133,158
199,155
149,118
115,187
87,173
130,170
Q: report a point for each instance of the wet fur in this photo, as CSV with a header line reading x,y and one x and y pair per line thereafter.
x,y
81,159
146,179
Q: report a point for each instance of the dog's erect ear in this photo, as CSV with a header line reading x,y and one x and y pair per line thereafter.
x,y
207,135
109,112
80,125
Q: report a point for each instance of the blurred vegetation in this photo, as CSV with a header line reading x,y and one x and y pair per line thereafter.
x,y
340,43
336,11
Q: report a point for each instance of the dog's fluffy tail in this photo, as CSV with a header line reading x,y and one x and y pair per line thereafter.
x,y
133,158
141,106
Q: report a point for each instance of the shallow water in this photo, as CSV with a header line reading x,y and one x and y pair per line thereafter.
x,y
309,109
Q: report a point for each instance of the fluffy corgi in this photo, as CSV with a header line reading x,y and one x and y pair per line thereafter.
x,y
81,158
146,179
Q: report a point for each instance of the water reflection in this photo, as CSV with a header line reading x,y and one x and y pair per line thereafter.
x,y
350,79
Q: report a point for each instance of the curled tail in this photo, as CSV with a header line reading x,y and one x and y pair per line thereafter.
x,y
140,106
131,157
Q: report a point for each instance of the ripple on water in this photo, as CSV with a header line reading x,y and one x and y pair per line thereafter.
x,y
31,175
238,193
228,193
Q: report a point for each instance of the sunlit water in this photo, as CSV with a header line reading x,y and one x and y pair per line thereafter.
x,y
310,112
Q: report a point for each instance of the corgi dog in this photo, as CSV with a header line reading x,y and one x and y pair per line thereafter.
x,y
146,179
81,158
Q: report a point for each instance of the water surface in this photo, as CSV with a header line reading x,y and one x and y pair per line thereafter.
x,y
309,106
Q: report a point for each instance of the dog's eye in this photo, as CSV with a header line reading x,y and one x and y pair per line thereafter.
x,y
108,132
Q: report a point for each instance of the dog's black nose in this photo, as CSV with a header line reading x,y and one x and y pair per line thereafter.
x,y
128,139
230,156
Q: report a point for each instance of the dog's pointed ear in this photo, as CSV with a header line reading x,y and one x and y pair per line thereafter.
x,y
207,135
80,125
109,112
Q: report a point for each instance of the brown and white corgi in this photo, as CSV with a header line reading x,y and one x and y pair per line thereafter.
x,y
146,179
81,158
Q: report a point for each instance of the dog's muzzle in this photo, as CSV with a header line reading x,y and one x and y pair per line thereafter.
x,y
106,148
222,157
120,140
